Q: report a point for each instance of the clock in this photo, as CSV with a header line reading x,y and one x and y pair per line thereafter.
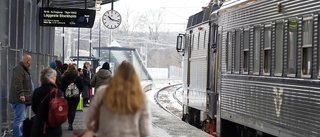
x,y
111,19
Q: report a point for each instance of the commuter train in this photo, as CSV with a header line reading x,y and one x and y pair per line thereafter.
x,y
251,68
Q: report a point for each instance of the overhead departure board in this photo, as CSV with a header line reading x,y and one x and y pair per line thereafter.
x,y
56,17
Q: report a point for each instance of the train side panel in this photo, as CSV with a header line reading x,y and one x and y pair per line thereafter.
x,y
280,104
198,67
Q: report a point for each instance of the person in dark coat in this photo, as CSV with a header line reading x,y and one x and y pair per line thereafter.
x,y
53,65
102,77
20,93
71,75
80,72
40,106
64,68
59,72
86,81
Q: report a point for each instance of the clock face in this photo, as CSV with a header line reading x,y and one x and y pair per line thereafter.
x,y
111,19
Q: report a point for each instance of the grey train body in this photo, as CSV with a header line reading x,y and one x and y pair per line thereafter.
x,y
268,67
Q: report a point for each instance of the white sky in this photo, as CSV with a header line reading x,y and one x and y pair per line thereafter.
x,y
176,12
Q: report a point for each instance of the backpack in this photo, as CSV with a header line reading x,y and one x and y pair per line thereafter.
x,y
72,90
58,109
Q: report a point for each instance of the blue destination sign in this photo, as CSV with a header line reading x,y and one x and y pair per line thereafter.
x,y
56,17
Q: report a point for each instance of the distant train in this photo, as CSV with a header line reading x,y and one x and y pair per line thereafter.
x,y
251,68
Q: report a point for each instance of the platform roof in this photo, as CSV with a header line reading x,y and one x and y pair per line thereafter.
x,y
76,3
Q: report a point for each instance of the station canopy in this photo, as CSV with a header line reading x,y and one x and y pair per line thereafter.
x,y
76,3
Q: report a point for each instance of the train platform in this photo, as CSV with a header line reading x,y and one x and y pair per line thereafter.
x,y
163,123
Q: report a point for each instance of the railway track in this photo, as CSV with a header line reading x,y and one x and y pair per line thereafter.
x,y
166,98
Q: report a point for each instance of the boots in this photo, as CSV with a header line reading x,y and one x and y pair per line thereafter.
x,y
70,127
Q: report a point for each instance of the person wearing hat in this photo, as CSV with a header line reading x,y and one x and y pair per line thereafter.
x,y
102,77
53,65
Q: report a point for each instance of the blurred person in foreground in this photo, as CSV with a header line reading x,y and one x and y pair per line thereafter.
x,y
20,93
102,77
124,110
71,75
40,105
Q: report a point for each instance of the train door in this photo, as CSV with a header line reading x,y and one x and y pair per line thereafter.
x,y
183,47
213,64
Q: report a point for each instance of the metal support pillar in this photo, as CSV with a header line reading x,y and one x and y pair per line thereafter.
x,y
110,30
3,40
1,89
110,37
112,5
90,42
99,36
63,44
78,47
109,56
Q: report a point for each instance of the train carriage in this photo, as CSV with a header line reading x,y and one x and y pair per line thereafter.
x,y
252,68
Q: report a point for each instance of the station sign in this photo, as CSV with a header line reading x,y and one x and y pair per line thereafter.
x,y
57,17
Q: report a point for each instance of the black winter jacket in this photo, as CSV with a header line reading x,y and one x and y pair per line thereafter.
x,y
70,76
41,110
86,76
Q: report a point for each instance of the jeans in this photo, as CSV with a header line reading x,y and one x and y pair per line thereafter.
x,y
20,111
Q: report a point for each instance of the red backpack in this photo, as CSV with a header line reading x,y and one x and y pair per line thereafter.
x,y
58,109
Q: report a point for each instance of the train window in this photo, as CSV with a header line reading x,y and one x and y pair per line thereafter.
x,y
229,54
256,51
198,41
237,52
292,48
267,50
279,49
306,47
246,40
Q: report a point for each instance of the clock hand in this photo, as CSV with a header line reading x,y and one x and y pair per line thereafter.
x,y
110,18
113,19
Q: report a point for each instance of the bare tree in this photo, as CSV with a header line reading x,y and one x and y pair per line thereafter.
x,y
130,21
152,20
137,30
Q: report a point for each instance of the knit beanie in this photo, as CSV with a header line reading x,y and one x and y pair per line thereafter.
x,y
105,66
53,65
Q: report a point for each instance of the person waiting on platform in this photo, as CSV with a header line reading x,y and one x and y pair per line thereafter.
x,y
64,68
54,66
80,72
59,72
86,81
71,75
40,105
20,93
122,106
102,77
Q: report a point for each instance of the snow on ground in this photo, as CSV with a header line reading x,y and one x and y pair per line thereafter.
x,y
174,103
166,97
158,84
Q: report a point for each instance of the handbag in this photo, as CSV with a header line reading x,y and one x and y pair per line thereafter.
x,y
89,132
